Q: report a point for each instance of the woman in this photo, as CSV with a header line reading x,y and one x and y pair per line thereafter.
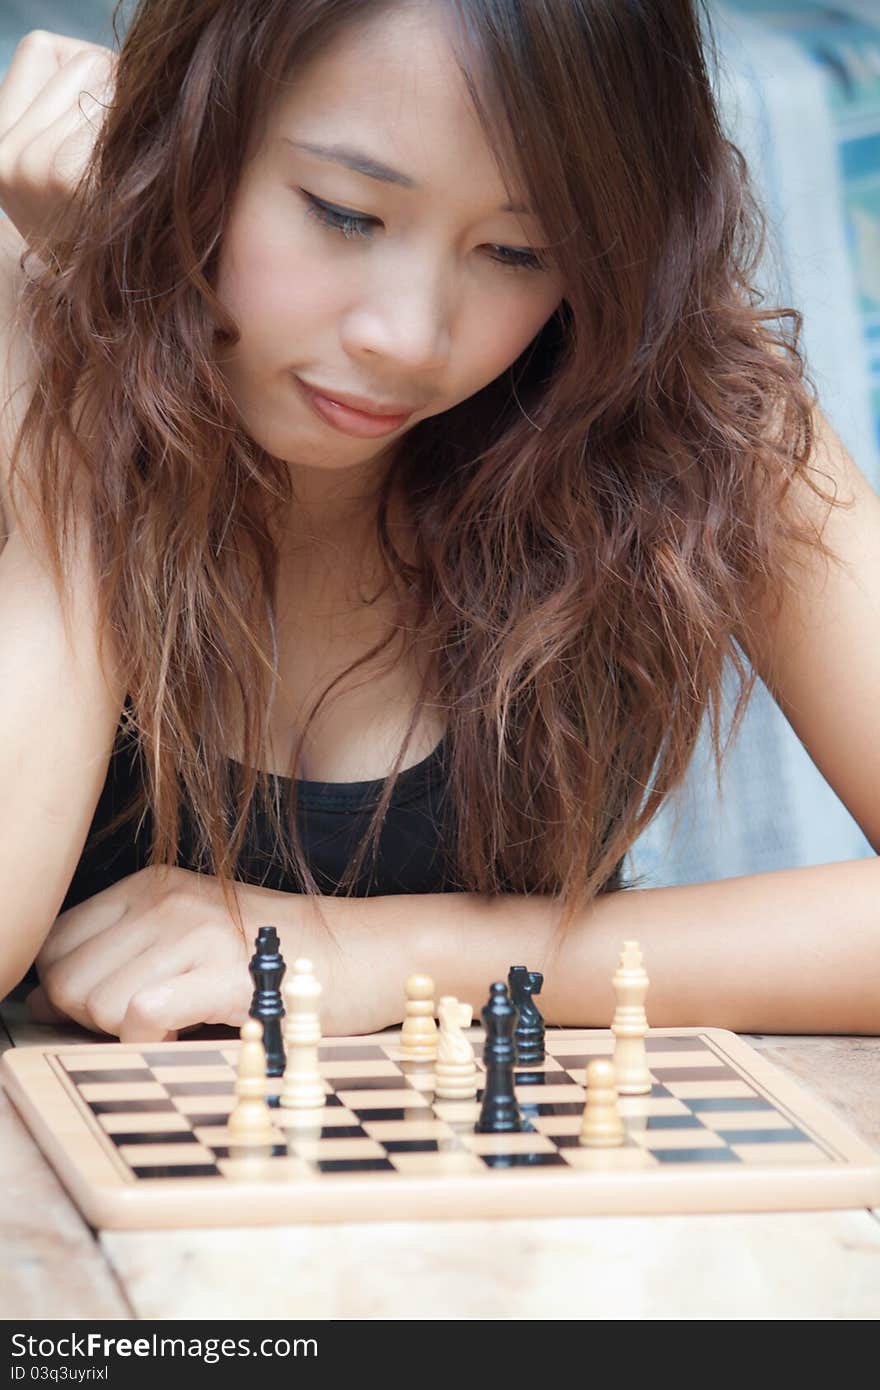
x,y
584,473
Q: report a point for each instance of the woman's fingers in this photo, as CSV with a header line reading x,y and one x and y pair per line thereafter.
x,y
57,150
80,924
41,1011
100,983
77,980
37,89
157,1012
50,117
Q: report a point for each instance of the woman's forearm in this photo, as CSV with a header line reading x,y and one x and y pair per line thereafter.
x,y
791,951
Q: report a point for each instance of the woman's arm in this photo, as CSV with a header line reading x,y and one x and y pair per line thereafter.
x,y
59,702
792,951
795,951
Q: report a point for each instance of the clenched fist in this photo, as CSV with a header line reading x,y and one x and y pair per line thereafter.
x,y
52,104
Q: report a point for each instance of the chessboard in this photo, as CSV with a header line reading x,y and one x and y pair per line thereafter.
x,y
138,1134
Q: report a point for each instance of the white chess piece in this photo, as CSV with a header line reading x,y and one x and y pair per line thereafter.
x,y
630,1024
251,1120
456,1068
303,1087
418,1036
601,1126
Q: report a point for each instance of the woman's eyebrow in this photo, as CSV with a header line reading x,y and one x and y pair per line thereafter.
x,y
362,163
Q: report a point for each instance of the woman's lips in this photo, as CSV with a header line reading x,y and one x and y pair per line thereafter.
x,y
349,421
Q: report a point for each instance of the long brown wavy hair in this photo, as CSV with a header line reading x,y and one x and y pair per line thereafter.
x,y
592,530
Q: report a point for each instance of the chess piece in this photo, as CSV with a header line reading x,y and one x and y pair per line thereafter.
x,y
251,1120
602,1126
418,1036
267,971
456,1068
303,1087
529,1033
499,1113
630,1024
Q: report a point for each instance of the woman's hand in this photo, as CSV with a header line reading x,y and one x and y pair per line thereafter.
x,y
153,953
52,103
158,952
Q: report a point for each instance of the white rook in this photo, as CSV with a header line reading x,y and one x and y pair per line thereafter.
x,y
630,1024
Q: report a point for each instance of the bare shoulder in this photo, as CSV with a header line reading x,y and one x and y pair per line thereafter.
x,y
16,359
850,529
820,656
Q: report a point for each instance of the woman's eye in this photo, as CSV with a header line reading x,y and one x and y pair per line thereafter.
x,y
352,225
516,258
348,223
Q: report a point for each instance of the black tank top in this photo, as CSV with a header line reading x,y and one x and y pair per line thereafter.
x,y
415,850
415,841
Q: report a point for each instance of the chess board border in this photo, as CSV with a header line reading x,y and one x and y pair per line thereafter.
x,y
110,1198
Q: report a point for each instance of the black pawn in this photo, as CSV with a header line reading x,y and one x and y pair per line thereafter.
x,y
499,1113
267,969
529,1035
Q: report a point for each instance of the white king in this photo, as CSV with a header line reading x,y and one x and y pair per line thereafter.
x,y
630,1024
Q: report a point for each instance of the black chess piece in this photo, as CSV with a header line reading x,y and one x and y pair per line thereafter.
x,y
267,969
499,1113
529,1034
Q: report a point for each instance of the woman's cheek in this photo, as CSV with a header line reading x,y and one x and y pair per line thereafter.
x,y
496,340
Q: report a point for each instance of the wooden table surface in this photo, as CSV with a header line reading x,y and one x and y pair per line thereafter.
x,y
785,1265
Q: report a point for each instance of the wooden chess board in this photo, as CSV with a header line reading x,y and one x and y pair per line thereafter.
x,y
138,1134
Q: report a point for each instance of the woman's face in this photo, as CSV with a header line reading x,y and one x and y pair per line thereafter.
x,y
418,305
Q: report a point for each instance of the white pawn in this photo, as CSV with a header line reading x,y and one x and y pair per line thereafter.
x,y
456,1068
418,1036
251,1120
601,1126
630,1024
303,1087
